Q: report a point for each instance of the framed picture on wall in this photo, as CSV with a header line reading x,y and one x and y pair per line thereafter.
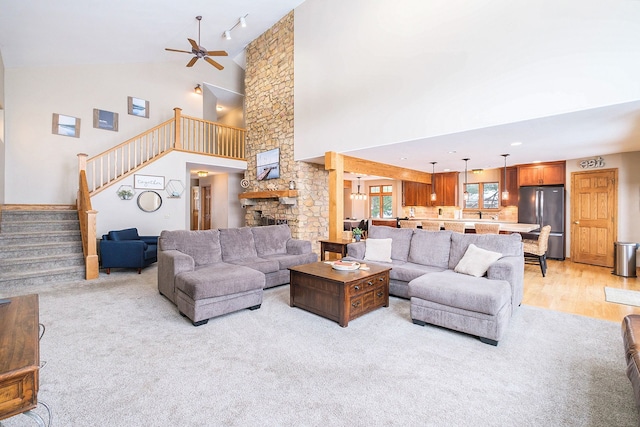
x,y
268,164
138,107
107,120
66,125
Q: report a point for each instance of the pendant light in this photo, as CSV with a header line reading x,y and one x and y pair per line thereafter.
x,y
466,193
358,195
434,196
505,192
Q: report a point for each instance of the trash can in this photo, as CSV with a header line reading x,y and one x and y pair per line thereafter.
x,y
624,259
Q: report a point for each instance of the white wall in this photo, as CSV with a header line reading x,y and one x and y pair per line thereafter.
x,y
41,167
174,214
376,73
2,145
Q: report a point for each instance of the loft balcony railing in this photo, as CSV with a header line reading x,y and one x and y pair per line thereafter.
x,y
182,133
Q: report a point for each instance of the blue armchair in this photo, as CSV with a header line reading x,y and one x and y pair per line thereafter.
x,y
126,249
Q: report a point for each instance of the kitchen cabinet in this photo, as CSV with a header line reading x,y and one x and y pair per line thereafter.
x,y
415,193
551,173
446,189
511,186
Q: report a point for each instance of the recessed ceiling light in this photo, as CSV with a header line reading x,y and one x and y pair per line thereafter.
x,y
403,158
452,152
513,144
219,108
447,170
537,161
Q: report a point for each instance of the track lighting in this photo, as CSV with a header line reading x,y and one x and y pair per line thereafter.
x,y
198,90
242,21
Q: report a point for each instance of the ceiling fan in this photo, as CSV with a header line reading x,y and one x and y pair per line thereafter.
x,y
201,52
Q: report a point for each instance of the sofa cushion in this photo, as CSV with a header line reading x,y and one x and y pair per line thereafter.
x,y
201,245
291,260
377,250
430,248
469,293
218,279
476,261
237,244
401,239
126,234
506,244
271,239
406,271
262,265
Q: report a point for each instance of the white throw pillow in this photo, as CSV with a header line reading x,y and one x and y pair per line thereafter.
x,y
476,261
378,250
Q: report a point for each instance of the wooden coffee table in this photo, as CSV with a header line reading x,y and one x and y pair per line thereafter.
x,y
338,295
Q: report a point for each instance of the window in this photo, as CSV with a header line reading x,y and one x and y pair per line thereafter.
x,y
381,197
490,196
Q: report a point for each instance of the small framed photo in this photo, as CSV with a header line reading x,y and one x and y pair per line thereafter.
x,y
66,125
138,107
105,120
148,182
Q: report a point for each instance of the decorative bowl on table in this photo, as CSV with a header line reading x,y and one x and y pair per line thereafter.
x,y
345,265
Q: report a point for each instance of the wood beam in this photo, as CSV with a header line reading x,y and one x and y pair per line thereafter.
x,y
367,167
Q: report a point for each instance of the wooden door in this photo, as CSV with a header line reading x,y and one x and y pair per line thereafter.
x,y
594,211
206,208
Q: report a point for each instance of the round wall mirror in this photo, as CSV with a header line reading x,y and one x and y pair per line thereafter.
x,y
149,201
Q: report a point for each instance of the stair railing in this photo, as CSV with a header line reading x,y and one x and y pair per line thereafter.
x,y
87,218
180,133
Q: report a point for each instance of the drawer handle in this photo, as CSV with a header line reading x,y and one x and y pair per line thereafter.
x,y
379,294
370,283
355,304
356,287
381,279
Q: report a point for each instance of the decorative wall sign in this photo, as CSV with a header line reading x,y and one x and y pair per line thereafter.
x,y
148,182
66,125
598,162
268,164
105,120
138,107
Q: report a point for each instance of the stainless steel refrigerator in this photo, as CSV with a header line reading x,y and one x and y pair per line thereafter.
x,y
544,206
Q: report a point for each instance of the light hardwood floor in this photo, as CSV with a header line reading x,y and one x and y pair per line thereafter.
x,y
577,288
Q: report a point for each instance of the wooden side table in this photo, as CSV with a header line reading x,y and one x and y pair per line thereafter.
x,y
336,246
19,357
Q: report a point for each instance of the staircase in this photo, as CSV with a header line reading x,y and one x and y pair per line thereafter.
x,y
40,245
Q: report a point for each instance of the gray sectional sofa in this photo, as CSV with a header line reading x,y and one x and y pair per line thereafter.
x,y
431,268
208,273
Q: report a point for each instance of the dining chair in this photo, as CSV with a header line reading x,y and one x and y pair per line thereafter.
x,y
431,225
457,227
535,251
487,228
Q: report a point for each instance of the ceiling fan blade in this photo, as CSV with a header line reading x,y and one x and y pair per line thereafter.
x,y
176,50
194,44
217,53
214,63
193,61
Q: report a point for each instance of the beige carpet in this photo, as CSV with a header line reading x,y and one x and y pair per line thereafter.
x,y
119,354
622,296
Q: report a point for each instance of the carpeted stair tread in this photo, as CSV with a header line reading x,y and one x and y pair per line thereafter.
x,y
44,276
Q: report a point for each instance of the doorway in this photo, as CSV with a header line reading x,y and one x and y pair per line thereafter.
x,y
594,216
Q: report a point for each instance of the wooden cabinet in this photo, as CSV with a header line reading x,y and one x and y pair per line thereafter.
x,y
511,186
446,189
415,193
551,173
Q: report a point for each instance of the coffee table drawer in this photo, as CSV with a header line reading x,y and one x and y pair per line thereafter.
x,y
365,285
